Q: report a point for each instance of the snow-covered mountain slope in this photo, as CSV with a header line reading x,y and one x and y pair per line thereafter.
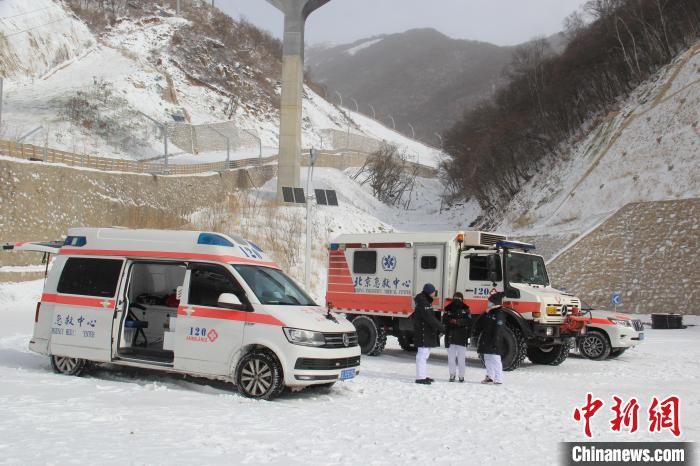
x,y
646,151
95,102
38,36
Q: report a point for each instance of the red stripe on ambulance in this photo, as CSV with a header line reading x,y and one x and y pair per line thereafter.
x,y
102,303
226,314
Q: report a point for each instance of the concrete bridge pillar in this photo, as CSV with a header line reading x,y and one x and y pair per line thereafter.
x,y
295,14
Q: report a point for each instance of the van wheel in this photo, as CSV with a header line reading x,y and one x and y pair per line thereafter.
x,y
68,366
594,345
370,335
615,352
259,375
551,355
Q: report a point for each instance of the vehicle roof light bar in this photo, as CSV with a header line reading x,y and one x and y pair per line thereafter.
x,y
515,245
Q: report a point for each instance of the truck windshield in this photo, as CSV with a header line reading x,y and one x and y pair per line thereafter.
x,y
272,286
526,268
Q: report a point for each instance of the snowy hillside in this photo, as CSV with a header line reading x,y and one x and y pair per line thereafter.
x,y
94,103
38,36
646,151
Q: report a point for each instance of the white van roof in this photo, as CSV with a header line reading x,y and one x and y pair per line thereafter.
x,y
164,244
471,238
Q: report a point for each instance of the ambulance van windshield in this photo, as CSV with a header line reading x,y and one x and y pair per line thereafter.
x,y
273,287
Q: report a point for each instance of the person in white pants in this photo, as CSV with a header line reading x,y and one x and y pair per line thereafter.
x,y
494,368
491,324
426,331
457,320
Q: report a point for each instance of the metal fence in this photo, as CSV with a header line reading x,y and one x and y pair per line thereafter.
x,y
335,159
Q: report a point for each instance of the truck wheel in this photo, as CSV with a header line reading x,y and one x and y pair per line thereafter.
x,y
68,366
406,342
594,345
513,346
615,352
551,355
259,375
370,335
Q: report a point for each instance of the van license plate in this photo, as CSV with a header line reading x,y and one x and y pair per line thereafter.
x,y
346,374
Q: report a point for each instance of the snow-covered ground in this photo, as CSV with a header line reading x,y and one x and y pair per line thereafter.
x,y
118,416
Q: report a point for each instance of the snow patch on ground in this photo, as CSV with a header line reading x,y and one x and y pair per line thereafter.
x,y
117,415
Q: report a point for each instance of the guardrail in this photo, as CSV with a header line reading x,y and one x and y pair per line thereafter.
x,y
326,158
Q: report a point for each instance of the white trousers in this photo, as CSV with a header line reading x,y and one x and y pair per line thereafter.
x,y
455,359
494,368
422,355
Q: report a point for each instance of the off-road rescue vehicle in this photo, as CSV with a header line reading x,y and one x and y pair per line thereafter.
x,y
608,334
372,279
200,303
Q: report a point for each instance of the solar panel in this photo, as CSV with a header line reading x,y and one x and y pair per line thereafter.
x,y
299,196
332,197
287,194
321,197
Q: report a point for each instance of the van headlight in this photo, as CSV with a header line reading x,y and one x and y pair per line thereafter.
x,y
304,337
620,322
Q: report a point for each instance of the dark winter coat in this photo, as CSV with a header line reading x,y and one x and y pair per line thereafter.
x,y
426,327
491,325
457,320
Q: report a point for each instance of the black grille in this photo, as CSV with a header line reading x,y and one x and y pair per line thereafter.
x,y
638,325
336,340
326,364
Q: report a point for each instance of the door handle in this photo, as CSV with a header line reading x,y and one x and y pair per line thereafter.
x,y
249,324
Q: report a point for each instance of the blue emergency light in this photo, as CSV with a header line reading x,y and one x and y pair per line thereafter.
x,y
211,239
75,241
515,245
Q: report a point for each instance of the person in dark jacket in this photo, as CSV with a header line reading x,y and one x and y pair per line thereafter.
x,y
426,331
491,324
457,320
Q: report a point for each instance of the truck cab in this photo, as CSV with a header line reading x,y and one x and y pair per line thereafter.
x,y
543,321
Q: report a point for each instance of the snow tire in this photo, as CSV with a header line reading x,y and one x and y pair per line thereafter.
x,y
594,345
259,376
552,355
69,366
370,335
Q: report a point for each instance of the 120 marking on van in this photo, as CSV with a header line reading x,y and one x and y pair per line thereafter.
x,y
202,335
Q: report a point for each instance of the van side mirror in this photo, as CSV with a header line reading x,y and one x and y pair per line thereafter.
x,y
492,262
229,301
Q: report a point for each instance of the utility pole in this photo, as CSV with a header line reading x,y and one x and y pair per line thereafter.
x,y
1,93
309,218
374,114
177,7
164,128
259,144
340,97
296,13
228,146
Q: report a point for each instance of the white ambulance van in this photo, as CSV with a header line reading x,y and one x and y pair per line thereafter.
x,y
199,303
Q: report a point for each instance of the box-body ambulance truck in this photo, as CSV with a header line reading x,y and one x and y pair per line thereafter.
x,y
191,302
373,278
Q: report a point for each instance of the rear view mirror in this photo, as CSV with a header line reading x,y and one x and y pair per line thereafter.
x,y
492,261
229,301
